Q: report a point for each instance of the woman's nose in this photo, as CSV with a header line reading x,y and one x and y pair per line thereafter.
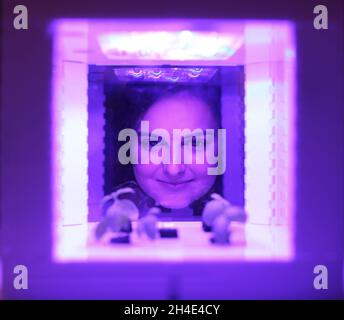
x,y
174,169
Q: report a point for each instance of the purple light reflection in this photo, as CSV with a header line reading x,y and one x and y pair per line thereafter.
x,y
165,74
269,61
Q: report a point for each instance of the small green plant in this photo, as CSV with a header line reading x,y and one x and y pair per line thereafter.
x,y
214,208
147,225
218,214
118,212
219,206
220,229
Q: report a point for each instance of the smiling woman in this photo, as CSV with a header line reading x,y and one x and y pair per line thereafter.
x,y
176,184
170,144
186,146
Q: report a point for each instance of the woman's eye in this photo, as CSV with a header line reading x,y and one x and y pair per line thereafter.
x,y
194,142
153,143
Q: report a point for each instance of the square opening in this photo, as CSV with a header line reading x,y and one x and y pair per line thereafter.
x,y
253,64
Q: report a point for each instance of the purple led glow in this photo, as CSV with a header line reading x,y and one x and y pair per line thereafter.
x,y
270,129
269,59
168,45
175,74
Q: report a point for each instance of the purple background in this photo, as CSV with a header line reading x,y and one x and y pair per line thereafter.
x,y
25,163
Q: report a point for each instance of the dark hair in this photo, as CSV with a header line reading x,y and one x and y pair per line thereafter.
x,y
131,102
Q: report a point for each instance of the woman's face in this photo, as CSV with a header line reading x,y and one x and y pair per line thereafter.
x,y
176,185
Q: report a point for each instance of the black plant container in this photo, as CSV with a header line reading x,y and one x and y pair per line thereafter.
x,y
121,239
168,233
205,227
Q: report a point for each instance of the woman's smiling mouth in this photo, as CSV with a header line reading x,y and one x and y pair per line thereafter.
x,y
174,184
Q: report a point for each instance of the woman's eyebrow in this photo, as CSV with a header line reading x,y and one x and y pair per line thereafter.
x,y
196,134
199,133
